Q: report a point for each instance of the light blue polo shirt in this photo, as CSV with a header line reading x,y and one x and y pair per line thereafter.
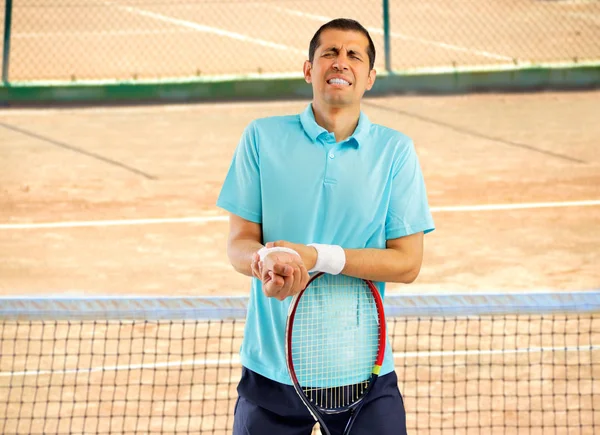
x,y
289,174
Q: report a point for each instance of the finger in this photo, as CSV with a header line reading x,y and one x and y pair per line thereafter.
x,y
296,282
255,271
269,274
272,284
270,245
286,289
254,266
269,290
264,272
277,279
265,278
276,286
304,276
283,269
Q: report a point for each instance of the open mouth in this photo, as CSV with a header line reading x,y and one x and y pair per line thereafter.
x,y
339,82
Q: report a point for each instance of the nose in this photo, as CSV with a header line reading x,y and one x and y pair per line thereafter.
x,y
341,62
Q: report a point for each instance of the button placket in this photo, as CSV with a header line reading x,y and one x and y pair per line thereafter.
x,y
330,156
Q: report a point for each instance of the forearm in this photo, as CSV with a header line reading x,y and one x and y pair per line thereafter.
x,y
387,265
240,253
400,261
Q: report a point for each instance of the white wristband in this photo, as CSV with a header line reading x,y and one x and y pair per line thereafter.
x,y
263,252
330,258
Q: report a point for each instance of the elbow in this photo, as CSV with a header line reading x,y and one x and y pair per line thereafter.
x,y
231,257
235,262
243,269
238,269
409,274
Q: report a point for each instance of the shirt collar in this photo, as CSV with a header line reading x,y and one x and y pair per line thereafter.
x,y
314,130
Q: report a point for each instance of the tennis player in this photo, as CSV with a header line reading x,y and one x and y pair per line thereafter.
x,y
323,190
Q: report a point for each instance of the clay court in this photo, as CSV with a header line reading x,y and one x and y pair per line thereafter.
x,y
513,181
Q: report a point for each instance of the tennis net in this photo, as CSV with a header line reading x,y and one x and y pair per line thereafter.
x,y
489,363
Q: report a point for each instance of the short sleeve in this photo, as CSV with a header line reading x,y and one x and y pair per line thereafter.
x,y
241,193
408,211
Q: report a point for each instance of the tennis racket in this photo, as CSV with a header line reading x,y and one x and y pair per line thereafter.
x,y
335,343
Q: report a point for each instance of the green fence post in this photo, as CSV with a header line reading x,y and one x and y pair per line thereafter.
x,y
6,50
387,45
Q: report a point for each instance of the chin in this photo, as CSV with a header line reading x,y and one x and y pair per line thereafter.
x,y
342,100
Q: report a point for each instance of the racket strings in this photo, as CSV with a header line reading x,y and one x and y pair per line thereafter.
x,y
335,340
338,397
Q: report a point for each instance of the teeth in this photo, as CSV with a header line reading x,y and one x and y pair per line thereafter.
x,y
338,82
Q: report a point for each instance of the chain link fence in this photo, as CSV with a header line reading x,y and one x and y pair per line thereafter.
x,y
70,40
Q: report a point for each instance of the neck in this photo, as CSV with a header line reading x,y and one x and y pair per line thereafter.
x,y
341,121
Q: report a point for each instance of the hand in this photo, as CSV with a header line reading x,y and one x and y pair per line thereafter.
x,y
282,274
307,253
256,265
289,283
257,268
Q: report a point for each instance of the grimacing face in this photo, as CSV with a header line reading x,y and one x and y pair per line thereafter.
x,y
339,73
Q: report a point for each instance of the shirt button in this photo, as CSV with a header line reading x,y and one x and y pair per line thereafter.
x,y
331,156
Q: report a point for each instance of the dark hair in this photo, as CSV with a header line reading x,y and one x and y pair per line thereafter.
x,y
342,24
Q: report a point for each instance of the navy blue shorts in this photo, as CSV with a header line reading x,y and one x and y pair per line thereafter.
x,y
266,407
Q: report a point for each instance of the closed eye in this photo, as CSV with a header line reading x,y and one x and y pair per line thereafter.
x,y
354,55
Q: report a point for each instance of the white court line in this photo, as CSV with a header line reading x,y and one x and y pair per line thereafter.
x,y
205,219
399,355
522,206
236,360
206,29
586,17
200,362
378,31
100,33
112,223
157,108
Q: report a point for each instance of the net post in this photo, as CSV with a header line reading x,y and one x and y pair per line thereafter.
x,y
387,47
6,43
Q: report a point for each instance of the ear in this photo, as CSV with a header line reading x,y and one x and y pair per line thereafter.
x,y
307,71
371,79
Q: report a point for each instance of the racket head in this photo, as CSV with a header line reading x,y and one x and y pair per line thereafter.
x,y
335,342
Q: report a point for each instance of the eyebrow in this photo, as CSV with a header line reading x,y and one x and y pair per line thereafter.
x,y
337,50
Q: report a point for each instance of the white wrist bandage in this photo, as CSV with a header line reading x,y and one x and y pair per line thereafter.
x,y
263,252
330,258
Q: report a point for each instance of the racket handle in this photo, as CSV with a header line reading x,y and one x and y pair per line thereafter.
x,y
355,411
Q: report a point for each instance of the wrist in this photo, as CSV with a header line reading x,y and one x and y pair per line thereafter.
x,y
311,257
263,252
330,258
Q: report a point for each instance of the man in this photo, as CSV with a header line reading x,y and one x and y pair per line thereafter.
x,y
325,190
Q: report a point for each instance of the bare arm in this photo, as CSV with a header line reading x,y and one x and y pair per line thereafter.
x,y
245,238
399,262
284,274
